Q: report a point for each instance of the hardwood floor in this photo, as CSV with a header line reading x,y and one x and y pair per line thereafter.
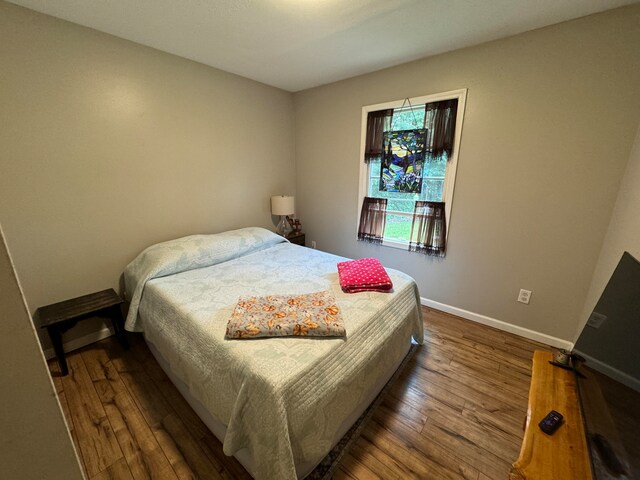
x,y
456,412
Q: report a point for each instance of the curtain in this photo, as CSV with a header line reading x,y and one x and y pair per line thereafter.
x,y
372,219
377,123
428,229
440,120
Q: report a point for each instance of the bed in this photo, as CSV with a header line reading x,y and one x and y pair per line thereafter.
x,y
278,404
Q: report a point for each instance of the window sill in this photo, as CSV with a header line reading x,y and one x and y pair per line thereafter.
x,y
400,245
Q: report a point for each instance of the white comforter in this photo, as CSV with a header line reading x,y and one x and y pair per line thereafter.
x,y
282,398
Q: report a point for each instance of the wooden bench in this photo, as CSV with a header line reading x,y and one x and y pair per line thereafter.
x,y
59,317
563,455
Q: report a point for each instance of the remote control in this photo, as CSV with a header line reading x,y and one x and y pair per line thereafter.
x,y
551,422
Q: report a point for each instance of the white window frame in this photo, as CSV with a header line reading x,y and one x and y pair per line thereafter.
x,y
452,163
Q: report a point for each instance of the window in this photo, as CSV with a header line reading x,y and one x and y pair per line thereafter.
x,y
437,174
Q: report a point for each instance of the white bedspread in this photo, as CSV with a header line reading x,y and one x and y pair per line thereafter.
x,y
282,398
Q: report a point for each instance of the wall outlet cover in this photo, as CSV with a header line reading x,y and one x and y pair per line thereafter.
x,y
596,320
524,296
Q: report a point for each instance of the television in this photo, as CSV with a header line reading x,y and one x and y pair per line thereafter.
x,y
607,362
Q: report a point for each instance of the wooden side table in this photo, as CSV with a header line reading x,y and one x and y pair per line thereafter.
x,y
297,238
59,317
564,454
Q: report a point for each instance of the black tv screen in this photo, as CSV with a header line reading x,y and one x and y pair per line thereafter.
x,y
609,376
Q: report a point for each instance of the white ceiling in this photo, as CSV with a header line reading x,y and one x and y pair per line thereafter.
x,y
298,44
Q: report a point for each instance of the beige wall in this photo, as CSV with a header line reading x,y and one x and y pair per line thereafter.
x,y
107,146
550,120
623,234
35,442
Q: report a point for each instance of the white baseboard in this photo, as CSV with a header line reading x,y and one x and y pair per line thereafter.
x,y
81,341
610,371
499,324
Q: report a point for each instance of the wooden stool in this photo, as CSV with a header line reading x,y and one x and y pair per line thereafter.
x,y
59,317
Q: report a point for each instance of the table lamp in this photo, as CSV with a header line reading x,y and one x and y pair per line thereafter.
x,y
282,205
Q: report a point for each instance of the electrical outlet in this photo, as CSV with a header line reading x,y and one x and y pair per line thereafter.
x,y
313,244
524,296
596,320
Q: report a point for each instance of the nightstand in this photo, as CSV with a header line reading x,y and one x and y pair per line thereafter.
x,y
297,238
59,317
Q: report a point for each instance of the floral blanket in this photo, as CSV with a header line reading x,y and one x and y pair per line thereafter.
x,y
313,314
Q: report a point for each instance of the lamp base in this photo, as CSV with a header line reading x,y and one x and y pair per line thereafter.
x,y
283,226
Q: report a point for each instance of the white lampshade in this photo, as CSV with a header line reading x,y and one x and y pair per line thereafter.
x,y
282,205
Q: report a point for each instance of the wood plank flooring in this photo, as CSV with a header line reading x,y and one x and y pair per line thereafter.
x,y
456,412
